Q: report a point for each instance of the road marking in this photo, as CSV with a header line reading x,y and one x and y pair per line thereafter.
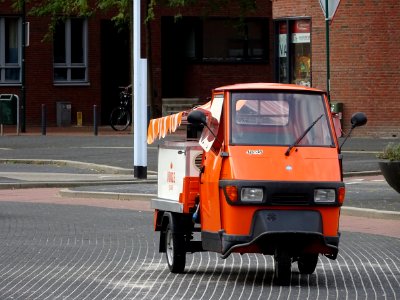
x,y
358,151
6,149
106,147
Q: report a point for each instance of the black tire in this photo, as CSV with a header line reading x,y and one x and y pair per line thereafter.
x,y
120,118
283,268
307,263
175,250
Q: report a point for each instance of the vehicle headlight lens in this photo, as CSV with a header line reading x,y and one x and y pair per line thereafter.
x,y
251,194
324,196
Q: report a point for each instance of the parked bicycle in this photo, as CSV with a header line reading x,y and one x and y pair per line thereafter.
x,y
121,117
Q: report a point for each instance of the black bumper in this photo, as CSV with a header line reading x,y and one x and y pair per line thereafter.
x,y
297,231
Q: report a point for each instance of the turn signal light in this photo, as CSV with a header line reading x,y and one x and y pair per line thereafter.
x,y
341,195
232,192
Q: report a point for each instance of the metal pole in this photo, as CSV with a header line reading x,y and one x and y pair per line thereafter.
x,y
18,114
328,75
44,123
23,90
140,98
95,127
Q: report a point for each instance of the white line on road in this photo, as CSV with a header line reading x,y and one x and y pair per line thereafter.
x,y
107,147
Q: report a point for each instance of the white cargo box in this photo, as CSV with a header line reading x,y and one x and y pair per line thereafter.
x,y
176,160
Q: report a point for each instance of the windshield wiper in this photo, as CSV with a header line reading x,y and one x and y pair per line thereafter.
x,y
302,136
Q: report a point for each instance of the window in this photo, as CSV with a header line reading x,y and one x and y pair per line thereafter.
x,y
70,51
232,40
10,50
216,40
262,112
293,51
208,137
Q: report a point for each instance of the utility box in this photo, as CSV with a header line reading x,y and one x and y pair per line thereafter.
x,y
337,108
8,109
337,114
63,114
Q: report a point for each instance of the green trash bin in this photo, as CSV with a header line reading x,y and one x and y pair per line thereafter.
x,y
8,109
337,107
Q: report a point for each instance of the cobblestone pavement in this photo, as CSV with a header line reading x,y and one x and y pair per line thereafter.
x,y
52,251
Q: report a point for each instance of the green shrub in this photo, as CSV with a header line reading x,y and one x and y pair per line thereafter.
x,y
391,152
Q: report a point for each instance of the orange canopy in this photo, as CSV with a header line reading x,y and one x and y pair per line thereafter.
x,y
160,127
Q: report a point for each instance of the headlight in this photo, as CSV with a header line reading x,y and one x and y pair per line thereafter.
x,y
324,196
251,194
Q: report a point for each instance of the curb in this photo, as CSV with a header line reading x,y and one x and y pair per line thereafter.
x,y
65,184
107,195
349,211
346,210
361,173
370,213
70,163
123,171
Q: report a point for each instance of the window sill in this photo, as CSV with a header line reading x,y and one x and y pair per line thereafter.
x,y
10,84
228,61
71,83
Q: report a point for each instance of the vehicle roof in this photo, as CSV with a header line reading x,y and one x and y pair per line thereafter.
x,y
266,86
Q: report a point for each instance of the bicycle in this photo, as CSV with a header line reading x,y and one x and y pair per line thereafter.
x,y
120,117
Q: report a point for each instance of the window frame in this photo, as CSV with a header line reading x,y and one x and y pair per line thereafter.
x,y
69,65
3,65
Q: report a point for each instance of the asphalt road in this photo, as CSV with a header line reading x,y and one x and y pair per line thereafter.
x,y
51,251
103,249
117,150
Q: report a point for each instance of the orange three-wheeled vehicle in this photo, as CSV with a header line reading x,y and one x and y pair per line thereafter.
x,y
264,176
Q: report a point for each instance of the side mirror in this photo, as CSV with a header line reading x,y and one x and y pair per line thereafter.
x,y
197,117
358,119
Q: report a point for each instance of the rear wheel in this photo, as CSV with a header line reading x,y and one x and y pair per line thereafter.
x,y
120,118
307,263
175,250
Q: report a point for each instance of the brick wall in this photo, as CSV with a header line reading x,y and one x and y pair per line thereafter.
x,y
365,69
203,77
40,88
364,52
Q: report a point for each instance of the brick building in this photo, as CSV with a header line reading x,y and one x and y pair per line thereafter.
x,y
282,41
364,46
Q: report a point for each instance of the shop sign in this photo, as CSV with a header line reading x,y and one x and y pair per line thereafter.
x,y
299,38
300,32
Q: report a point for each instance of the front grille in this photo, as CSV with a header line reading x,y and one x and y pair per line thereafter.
x,y
289,199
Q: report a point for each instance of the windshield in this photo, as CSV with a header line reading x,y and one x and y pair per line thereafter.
x,y
278,118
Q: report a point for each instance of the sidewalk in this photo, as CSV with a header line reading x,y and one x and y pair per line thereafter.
x,y
82,179
73,130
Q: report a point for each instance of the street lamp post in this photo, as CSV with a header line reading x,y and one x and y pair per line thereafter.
x,y
23,75
139,98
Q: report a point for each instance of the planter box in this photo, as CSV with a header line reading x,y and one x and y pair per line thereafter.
x,y
391,172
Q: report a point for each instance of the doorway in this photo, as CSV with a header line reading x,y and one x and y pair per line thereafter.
x,y
115,66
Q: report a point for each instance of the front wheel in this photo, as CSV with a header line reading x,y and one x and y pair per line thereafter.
x,y
175,250
283,268
120,118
